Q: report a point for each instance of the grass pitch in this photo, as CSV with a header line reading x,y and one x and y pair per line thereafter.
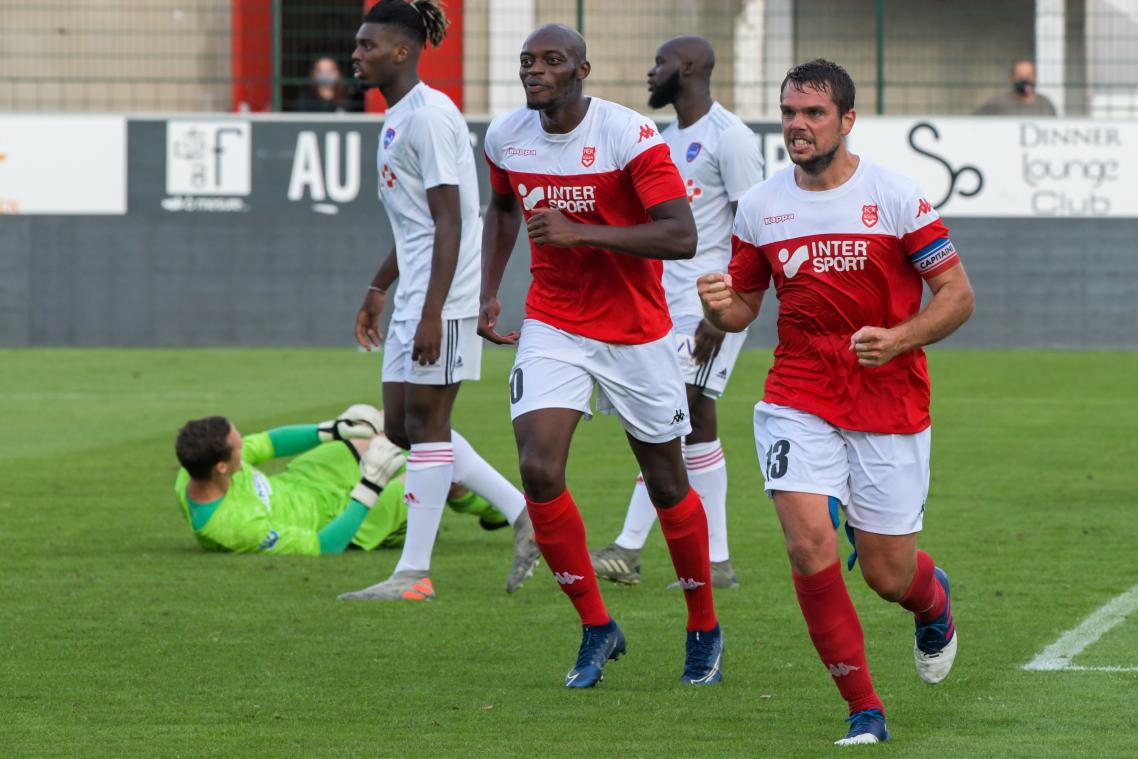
x,y
120,637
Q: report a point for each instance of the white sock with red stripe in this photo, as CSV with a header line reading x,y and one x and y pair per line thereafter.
x,y
707,471
640,518
472,471
430,467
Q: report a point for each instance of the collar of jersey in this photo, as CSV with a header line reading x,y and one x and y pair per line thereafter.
x,y
567,136
697,122
819,196
403,100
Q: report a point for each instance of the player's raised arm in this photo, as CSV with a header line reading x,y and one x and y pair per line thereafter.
x,y
950,307
670,235
723,306
499,233
368,334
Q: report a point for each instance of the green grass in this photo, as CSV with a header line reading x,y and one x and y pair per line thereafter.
x,y
120,637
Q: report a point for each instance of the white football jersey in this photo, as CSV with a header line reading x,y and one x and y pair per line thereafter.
x,y
719,159
425,143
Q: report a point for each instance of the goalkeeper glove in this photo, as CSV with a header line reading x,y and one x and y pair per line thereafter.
x,y
360,422
379,464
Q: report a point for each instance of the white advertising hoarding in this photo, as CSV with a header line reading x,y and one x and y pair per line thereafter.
x,y
1043,168
62,165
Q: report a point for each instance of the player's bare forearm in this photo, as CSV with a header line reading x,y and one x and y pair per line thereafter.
x,y
499,233
951,305
671,235
388,272
723,306
443,204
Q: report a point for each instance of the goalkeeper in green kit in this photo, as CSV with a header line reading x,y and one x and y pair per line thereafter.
x,y
344,488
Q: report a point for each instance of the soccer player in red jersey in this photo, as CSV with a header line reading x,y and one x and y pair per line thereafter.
x,y
603,204
844,419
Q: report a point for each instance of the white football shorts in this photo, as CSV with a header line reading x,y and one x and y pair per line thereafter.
x,y
881,479
640,384
460,355
711,378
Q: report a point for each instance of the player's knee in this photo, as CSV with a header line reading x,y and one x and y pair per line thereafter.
x,y
666,494
811,552
885,583
542,479
396,434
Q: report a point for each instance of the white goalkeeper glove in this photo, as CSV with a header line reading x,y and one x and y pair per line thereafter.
x,y
379,464
359,422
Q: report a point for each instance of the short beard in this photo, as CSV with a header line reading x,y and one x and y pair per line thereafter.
x,y
665,93
819,163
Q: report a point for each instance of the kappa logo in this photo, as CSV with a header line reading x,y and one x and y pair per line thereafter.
x,y
869,215
679,416
646,133
522,152
792,262
778,219
841,669
388,176
690,583
923,207
588,157
566,578
388,138
693,151
410,499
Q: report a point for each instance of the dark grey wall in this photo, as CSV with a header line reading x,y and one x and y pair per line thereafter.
x,y
280,272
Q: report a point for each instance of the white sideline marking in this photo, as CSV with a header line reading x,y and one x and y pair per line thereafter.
x,y
1059,654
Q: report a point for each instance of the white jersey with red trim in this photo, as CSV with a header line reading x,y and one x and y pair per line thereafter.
x,y
608,170
425,143
718,158
842,259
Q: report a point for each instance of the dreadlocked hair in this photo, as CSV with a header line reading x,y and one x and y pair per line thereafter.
x,y
422,20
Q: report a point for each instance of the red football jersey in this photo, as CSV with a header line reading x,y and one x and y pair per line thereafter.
x,y
842,259
608,170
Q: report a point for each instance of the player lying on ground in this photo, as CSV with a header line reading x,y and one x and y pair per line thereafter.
x,y
429,189
602,204
345,487
844,418
718,158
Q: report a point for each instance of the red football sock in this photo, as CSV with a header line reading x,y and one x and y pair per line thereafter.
x,y
685,529
560,535
925,596
836,632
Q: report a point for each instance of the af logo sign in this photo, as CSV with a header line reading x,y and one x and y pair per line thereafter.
x,y
329,175
208,165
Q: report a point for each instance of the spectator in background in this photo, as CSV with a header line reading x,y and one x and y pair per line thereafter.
x,y
326,91
1021,99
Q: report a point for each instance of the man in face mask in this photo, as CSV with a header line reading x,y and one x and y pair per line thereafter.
x,y
1021,99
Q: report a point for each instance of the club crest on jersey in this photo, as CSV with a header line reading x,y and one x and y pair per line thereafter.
x,y
869,215
588,157
388,138
693,151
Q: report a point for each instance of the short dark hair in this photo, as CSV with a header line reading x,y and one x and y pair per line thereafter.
x,y
422,20
824,76
201,444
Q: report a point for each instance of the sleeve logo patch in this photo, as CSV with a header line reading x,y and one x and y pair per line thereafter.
x,y
270,540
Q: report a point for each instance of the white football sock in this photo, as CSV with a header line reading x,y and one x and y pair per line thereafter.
x,y
707,471
640,518
472,471
430,467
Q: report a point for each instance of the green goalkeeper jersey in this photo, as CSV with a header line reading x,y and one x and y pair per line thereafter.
x,y
284,514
